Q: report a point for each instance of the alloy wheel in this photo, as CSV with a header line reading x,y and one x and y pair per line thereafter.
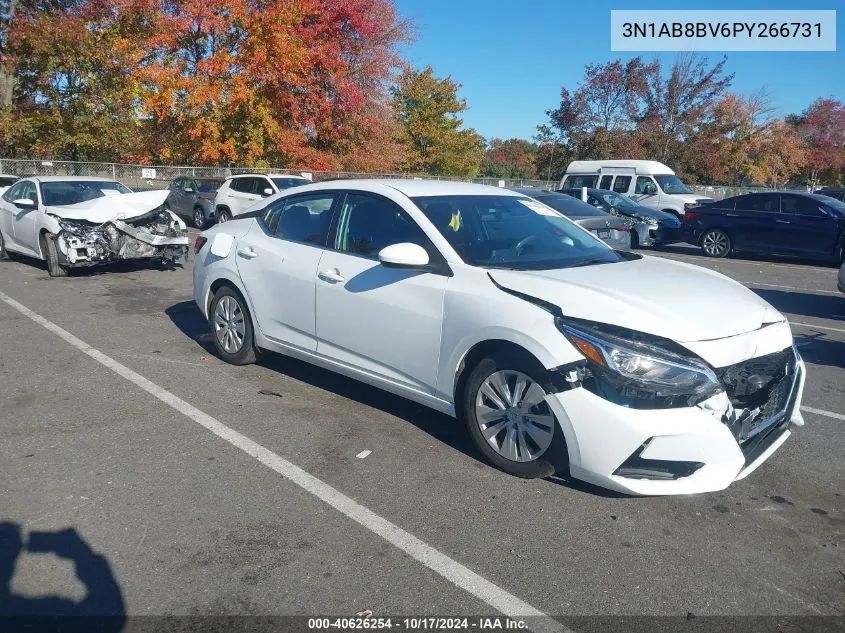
x,y
229,327
199,218
715,243
513,416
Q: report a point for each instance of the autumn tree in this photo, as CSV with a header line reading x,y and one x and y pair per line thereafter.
x,y
822,128
74,90
511,158
428,108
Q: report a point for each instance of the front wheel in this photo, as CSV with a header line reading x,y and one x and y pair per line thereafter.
x,y
509,420
716,243
51,254
4,254
232,327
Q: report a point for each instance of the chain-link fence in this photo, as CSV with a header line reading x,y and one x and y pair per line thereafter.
x,y
145,177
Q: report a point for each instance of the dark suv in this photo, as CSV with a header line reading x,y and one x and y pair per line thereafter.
x,y
779,222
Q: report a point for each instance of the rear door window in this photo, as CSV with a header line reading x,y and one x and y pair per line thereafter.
x,y
762,202
243,185
605,181
301,218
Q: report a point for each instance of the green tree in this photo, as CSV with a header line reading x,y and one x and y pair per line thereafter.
x,y
428,108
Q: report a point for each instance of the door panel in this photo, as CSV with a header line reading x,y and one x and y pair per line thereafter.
x,y
753,223
278,261
810,230
384,321
25,227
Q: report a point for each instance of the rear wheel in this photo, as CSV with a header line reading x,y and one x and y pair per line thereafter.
x,y
715,243
51,255
223,215
509,420
231,327
199,218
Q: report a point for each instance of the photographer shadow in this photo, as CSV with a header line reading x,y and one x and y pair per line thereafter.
x,y
103,608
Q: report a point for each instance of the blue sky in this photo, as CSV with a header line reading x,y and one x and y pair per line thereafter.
x,y
513,57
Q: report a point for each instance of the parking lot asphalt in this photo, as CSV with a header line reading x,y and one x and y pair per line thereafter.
x,y
191,523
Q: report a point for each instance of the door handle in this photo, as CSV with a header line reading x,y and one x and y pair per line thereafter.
x,y
333,276
247,252
783,221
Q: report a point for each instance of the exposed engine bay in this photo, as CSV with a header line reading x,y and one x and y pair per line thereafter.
x,y
158,234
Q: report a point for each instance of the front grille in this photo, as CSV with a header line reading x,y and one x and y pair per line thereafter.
x,y
761,388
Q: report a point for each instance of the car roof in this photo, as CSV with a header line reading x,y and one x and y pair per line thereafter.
x,y
410,188
644,167
818,197
71,179
267,176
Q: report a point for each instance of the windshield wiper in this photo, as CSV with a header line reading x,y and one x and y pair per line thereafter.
x,y
589,262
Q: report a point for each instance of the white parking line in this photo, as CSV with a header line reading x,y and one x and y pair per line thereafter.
x,y
818,327
828,414
432,558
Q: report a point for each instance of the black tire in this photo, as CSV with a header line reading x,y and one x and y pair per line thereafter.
x,y
716,243
223,215
51,255
199,218
635,239
247,352
553,460
4,254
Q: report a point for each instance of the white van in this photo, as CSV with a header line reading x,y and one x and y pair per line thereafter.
x,y
650,183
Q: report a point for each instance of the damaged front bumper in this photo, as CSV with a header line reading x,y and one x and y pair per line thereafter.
x,y
656,234
680,450
158,235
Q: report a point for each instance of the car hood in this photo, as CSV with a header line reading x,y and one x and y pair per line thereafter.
x,y
121,206
666,298
690,197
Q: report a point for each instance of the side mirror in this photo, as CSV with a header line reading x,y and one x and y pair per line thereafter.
x,y
24,203
268,192
651,189
403,255
188,190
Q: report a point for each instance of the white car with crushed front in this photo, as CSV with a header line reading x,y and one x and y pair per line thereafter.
x,y
639,374
74,222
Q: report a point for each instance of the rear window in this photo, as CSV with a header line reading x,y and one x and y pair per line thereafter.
x,y
570,206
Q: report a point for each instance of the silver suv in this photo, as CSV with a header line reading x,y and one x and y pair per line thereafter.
x,y
240,192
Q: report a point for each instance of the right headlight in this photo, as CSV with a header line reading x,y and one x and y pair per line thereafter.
x,y
637,374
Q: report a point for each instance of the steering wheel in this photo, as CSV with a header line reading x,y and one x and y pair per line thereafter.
x,y
525,241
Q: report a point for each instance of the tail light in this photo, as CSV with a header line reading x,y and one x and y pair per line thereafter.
x,y
199,243
689,216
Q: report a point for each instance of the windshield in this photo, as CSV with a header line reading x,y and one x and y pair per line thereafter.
x,y
62,193
209,186
617,201
512,232
287,183
672,184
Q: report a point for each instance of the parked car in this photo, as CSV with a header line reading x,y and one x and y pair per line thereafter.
x,y
650,226
649,183
833,192
559,353
72,222
238,193
613,230
6,181
193,199
779,223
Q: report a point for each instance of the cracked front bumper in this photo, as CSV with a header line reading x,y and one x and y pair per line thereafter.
x,y
663,451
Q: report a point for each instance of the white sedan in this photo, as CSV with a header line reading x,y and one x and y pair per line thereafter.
x,y
73,221
639,374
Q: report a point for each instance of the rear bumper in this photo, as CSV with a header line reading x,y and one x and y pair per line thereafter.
x,y
663,451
